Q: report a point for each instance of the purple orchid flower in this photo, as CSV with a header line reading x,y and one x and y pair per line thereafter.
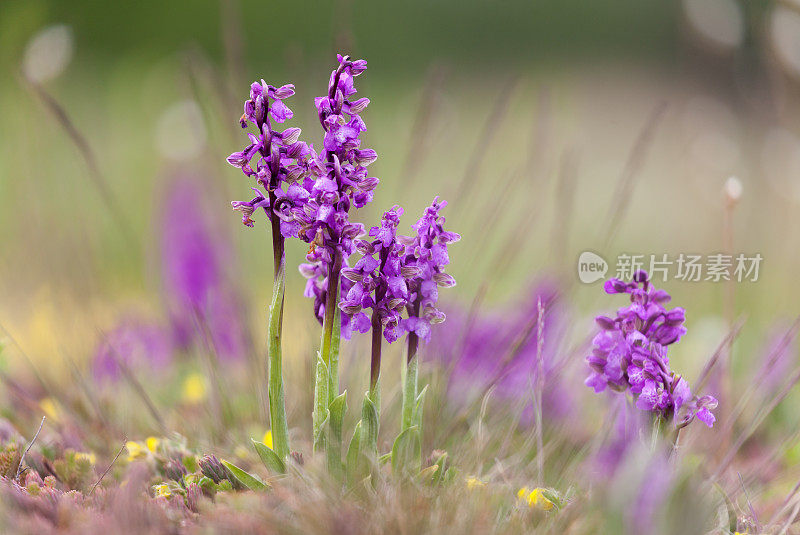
x,y
630,354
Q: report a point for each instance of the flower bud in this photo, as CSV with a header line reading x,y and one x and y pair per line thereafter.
x,y
175,470
212,468
366,157
368,183
444,280
284,91
352,274
359,105
294,175
409,272
605,323
358,66
290,136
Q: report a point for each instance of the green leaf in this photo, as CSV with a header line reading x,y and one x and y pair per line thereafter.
x,y
207,484
441,462
407,451
333,430
337,409
320,400
369,430
450,475
420,401
429,474
190,463
269,458
553,497
731,509
251,481
354,453
409,379
277,402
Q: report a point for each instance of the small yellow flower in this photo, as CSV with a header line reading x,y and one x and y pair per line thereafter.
x,y
136,450
267,440
139,450
152,443
194,389
535,498
91,457
162,491
474,483
50,409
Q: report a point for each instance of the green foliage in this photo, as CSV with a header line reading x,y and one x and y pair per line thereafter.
x,y
277,403
353,458
269,457
9,459
420,401
321,404
333,430
407,452
251,481
74,470
369,431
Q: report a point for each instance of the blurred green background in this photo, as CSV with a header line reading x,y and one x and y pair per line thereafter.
x,y
541,121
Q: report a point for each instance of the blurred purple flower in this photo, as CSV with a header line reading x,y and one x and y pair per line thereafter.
x,y
630,354
777,357
133,344
193,257
641,516
624,434
500,349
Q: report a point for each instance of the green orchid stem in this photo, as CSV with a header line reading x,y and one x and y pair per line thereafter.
x,y
331,327
277,403
329,351
410,379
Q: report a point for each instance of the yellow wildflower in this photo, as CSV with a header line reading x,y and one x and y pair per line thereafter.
x,y
152,443
267,440
194,388
50,409
136,450
535,498
162,491
474,483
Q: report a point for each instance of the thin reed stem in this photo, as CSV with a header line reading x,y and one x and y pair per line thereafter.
x,y
539,390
